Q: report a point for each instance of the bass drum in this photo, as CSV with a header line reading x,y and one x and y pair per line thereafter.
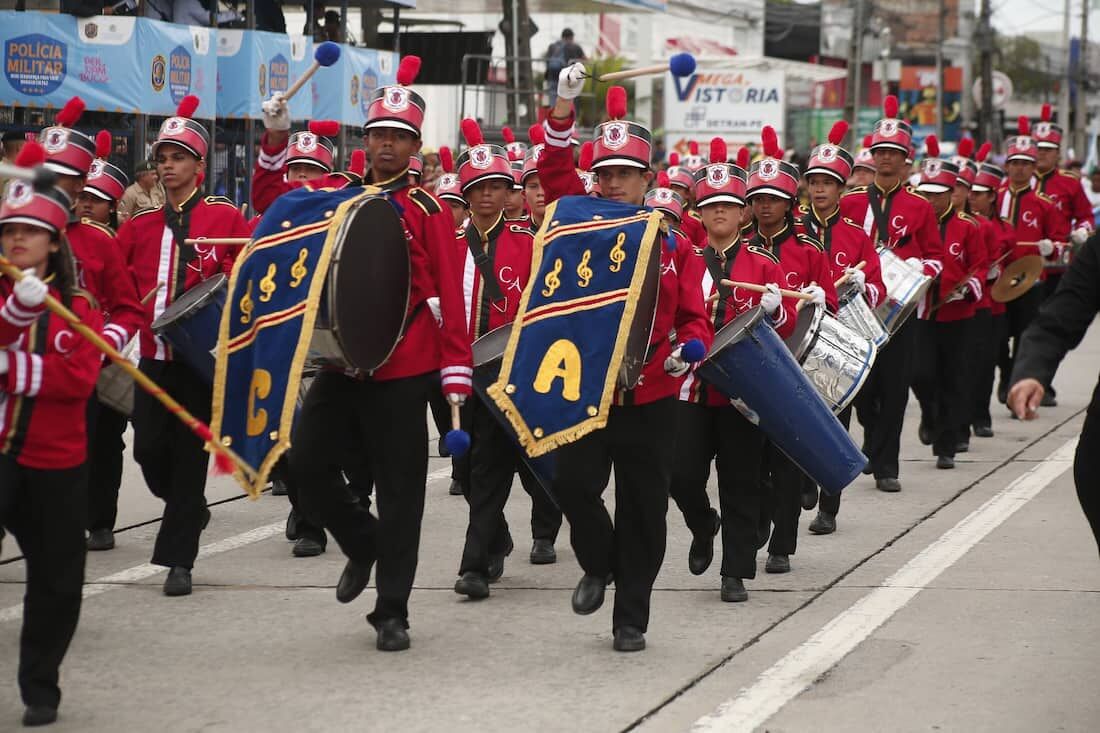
x,y
362,312
190,324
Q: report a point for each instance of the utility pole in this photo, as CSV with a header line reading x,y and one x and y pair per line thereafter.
x,y
1063,96
1082,136
517,47
986,116
939,69
855,67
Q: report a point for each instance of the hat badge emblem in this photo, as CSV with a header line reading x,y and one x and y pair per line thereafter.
x,y
20,193
1042,129
717,176
769,169
396,99
615,135
307,142
56,139
96,170
174,126
481,157
826,153
933,167
888,128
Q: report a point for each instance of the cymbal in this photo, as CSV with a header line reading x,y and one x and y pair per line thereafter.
x,y
1017,278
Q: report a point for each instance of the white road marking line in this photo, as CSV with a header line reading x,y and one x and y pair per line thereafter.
x,y
141,572
796,671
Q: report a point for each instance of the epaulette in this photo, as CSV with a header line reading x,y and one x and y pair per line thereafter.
x,y
851,222
807,239
425,200
676,231
460,232
857,189
101,227
223,200
1067,174
763,253
695,215
520,229
146,210
78,293
1042,196
967,217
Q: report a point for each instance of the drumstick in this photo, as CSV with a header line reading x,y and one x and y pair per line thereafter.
x,y
244,209
959,287
326,54
222,454
1036,244
844,278
457,440
761,289
219,241
151,293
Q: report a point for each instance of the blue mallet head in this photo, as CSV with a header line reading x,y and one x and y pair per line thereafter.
x,y
693,351
457,442
328,53
682,64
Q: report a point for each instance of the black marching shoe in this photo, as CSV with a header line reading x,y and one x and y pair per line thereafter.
x,y
101,539
588,596
278,488
1002,393
292,526
178,582
824,523
496,562
392,636
35,715
205,517
352,581
945,462
308,547
889,485
473,585
441,448
628,639
778,564
1049,400
702,548
983,431
927,437
456,488
733,590
543,553
963,446
809,497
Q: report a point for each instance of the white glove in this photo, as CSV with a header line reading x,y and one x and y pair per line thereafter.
x,y
771,300
30,290
1046,247
1080,235
994,272
433,306
857,278
818,294
915,263
675,365
3,362
456,399
955,295
276,114
571,80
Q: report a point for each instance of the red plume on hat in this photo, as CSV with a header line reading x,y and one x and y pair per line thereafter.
x,y
838,131
693,147
718,151
966,147
662,180
536,134
103,144
407,70
508,135
71,112
1045,114
616,103
743,157
932,146
584,162
325,128
984,151
32,154
770,142
358,162
890,106
1023,125
867,140
446,160
187,106
673,159
471,132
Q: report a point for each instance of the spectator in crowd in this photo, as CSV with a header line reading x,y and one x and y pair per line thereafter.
x,y
269,15
188,12
13,142
561,53
1092,191
144,193
432,169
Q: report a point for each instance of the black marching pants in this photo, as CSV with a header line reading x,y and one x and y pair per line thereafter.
x,y
1086,466
106,427
987,334
830,504
1018,315
942,383
173,460
388,418
638,443
880,406
736,445
46,511
783,504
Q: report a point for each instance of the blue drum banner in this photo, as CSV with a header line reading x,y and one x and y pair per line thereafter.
x,y
267,325
117,64
562,361
253,65
343,91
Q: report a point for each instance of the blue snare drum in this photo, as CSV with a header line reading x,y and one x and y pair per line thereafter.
x,y
190,324
751,365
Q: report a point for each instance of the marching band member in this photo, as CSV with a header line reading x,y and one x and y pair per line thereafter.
x,y
532,187
681,181
638,441
772,193
47,374
103,188
941,378
708,426
387,408
898,218
448,189
287,161
863,166
960,193
495,257
584,164
667,201
1000,242
515,207
1034,217
172,458
846,245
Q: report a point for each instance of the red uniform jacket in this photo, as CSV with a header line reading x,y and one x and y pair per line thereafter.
x,y
425,347
51,373
846,245
1000,240
153,242
269,176
743,263
692,227
1033,217
679,307
909,220
1067,193
508,245
802,260
964,243
101,270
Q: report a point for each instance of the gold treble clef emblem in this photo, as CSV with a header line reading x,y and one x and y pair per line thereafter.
x,y
246,305
267,283
618,254
584,272
298,270
551,280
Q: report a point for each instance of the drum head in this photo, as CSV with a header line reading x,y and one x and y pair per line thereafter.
x,y
735,330
490,347
641,329
368,283
189,302
805,330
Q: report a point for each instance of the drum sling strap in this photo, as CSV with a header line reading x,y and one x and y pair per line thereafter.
x,y
179,222
719,269
824,231
483,250
882,228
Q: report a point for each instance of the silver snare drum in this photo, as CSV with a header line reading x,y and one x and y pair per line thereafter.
x,y
905,286
855,313
835,358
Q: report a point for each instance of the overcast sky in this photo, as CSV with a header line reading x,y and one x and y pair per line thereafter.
x,y
1016,17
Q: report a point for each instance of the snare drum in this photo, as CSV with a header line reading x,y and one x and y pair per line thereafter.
x,y
752,366
905,288
190,324
855,313
836,359
115,388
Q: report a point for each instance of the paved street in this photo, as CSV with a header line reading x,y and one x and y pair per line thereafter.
x,y
968,602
